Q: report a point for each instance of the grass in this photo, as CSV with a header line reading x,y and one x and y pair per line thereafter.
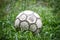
x,y
48,31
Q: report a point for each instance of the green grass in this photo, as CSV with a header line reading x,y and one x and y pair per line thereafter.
x,y
49,31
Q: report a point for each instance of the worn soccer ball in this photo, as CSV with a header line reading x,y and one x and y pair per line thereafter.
x,y
28,20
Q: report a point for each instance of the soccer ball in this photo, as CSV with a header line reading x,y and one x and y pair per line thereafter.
x,y
28,20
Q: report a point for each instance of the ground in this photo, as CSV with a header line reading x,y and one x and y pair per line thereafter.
x,y
50,29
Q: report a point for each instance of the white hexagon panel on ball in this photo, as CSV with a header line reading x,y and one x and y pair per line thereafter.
x,y
28,20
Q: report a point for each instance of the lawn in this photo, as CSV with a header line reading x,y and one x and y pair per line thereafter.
x,y
49,31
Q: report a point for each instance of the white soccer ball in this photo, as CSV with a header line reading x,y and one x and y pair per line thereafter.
x,y
28,20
